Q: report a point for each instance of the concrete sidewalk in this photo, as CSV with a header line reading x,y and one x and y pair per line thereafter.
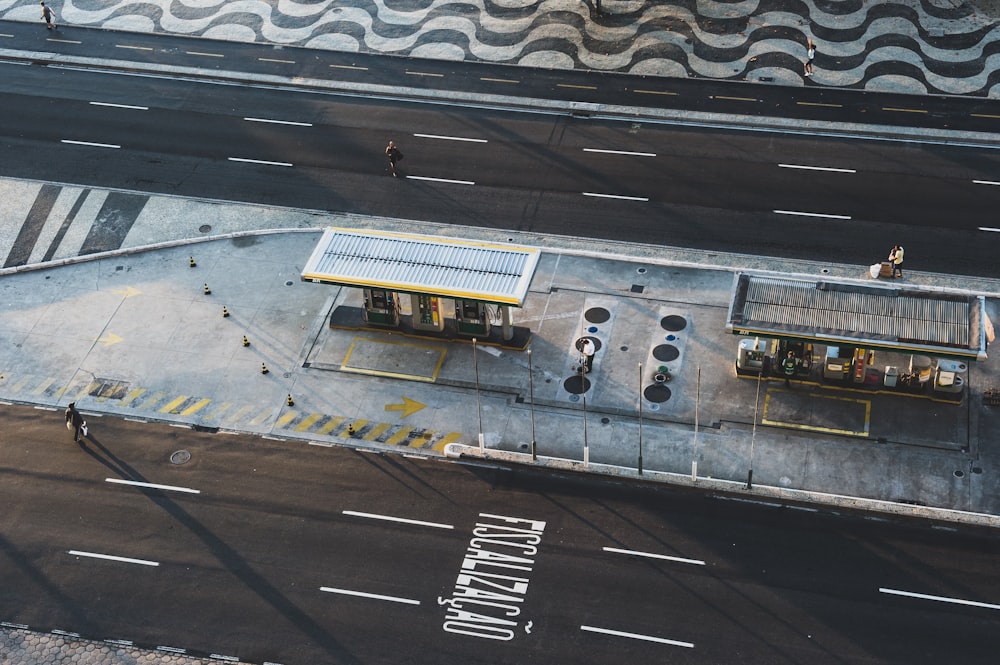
x,y
133,333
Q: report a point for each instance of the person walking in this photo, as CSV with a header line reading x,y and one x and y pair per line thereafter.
x,y
75,421
810,54
393,154
49,15
587,351
896,258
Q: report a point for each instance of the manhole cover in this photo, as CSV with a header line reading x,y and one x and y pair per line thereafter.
x,y
205,228
657,393
576,384
673,322
289,283
666,352
597,343
180,457
597,315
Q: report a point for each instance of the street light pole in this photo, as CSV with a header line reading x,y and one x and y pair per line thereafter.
x,y
586,445
640,419
479,406
531,396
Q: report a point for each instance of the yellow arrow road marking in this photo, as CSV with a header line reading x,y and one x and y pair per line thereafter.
x,y
110,339
127,292
408,407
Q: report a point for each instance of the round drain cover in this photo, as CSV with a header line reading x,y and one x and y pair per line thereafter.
x,y
180,457
673,323
656,393
576,384
205,228
597,315
666,352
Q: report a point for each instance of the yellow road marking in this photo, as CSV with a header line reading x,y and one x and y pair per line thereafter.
x,y
376,431
239,413
43,386
308,422
287,418
330,425
892,108
735,99
408,407
577,87
654,92
355,426
425,74
197,406
261,417
985,115
833,106
484,78
20,384
132,396
152,400
399,436
450,438
174,404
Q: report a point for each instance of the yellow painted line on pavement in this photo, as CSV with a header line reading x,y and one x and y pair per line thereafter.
x,y
376,431
421,439
815,428
287,418
261,417
152,400
22,383
832,106
893,108
133,394
735,99
576,87
331,424
490,80
308,422
220,409
654,92
43,386
424,74
174,404
399,436
238,414
445,440
196,407
985,115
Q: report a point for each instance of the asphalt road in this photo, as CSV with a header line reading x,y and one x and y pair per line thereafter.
x,y
843,200
290,553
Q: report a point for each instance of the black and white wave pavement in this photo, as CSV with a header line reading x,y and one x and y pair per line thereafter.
x,y
919,46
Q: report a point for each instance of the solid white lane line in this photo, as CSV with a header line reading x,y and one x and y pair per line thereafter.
x,y
989,228
121,106
258,161
816,168
810,214
207,55
63,41
284,62
450,138
92,145
374,596
362,69
985,182
943,599
621,152
616,196
453,182
154,486
390,518
650,555
109,557
637,636
280,122
134,48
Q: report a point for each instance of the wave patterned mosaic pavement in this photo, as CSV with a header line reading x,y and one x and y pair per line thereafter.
x,y
917,46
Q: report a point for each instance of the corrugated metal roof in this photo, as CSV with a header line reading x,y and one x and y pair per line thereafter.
x,y
866,316
449,267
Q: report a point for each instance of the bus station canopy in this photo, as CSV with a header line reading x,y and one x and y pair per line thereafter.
x,y
494,273
903,319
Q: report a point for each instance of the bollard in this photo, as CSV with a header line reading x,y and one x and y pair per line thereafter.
x,y
290,401
246,342
191,262
225,312
208,291
264,369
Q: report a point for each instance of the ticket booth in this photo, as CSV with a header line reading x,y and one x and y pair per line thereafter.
x,y
471,318
381,307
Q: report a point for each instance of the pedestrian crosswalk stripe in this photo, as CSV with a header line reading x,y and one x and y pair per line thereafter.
x,y
196,407
308,422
